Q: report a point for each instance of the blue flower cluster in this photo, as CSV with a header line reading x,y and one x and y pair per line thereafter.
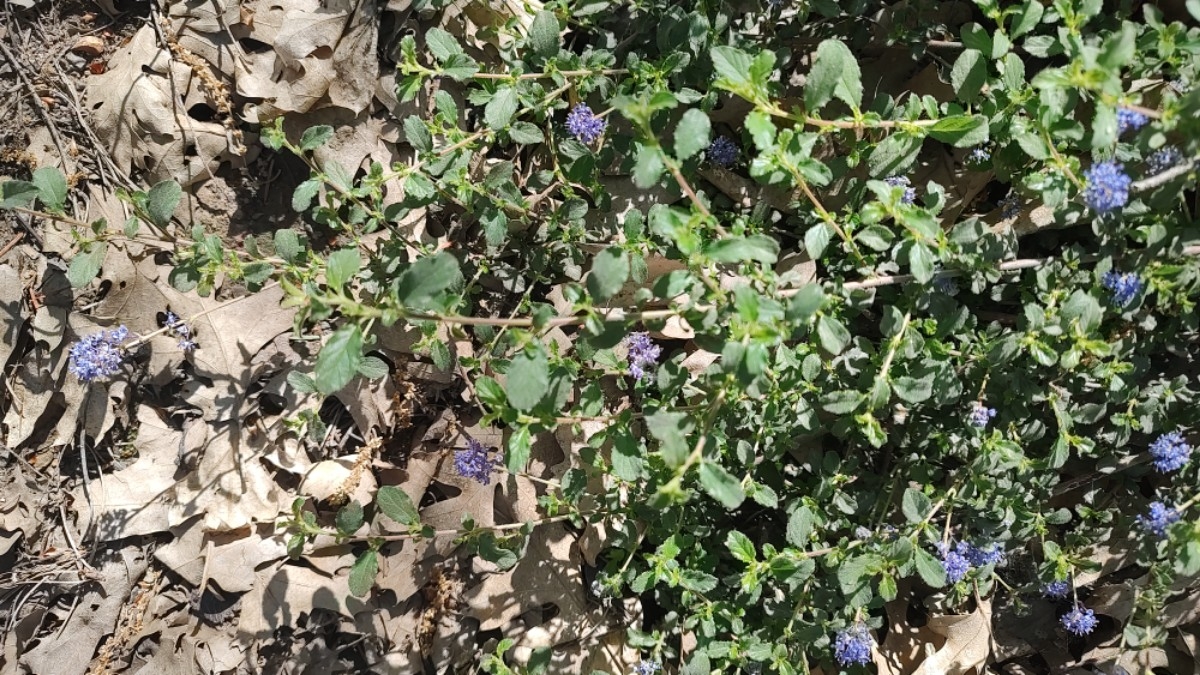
x,y
722,152
646,667
1080,620
981,415
954,561
1158,519
1059,590
958,560
98,356
1124,286
978,156
643,353
1107,186
474,462
1130,120
180,330
584,125
910,193
1162,159
1170,452
852,647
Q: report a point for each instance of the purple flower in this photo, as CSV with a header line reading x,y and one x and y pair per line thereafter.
x,y
978,156
1159,519
1162,159
1123,286
981,415
1130,120
910,193
584,125
1107,186
722,151
474,462
177,327
982,556
646,667
1080,620
643,353
98,356
852,646
955,562
1058,590
1170,452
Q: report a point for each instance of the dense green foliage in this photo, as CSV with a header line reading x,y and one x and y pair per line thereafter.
x,y
786,491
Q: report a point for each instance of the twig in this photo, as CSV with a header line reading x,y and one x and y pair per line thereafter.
x,y
11,244
1165,177
37,101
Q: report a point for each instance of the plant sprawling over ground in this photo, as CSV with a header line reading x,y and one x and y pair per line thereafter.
x,y
844,304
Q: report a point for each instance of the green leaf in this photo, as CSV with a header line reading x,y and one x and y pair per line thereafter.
x,y
670,429
315,137
397,505
834,74
610,269
458,67
543,34
1028,18
441,44
721,485
342,266
922,262
894,155
968,75
338,361
519,448
161,202
961,130
374,368
804,304
733,67
930,568
417,134
525,133
349,518
816,239
301,382
648,166
800,526
17,193
304,193
287,245
912,389
692,134
425,279
762,129
500,110
52,188
362,573
528,379
832,335
915,505
86,265
740,546
757,247
132,225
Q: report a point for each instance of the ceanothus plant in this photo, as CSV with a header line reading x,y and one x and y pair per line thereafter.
x,y
849,379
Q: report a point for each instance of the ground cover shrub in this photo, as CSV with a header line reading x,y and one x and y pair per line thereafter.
x,y
832,335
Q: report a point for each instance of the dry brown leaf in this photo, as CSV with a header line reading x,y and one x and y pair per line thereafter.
x,y
231,562
136,115
961,642
322,51
11,317
548,574
282,593
230,486
134,500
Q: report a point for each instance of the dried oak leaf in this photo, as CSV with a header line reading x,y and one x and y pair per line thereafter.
x,y
137,116
962,643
